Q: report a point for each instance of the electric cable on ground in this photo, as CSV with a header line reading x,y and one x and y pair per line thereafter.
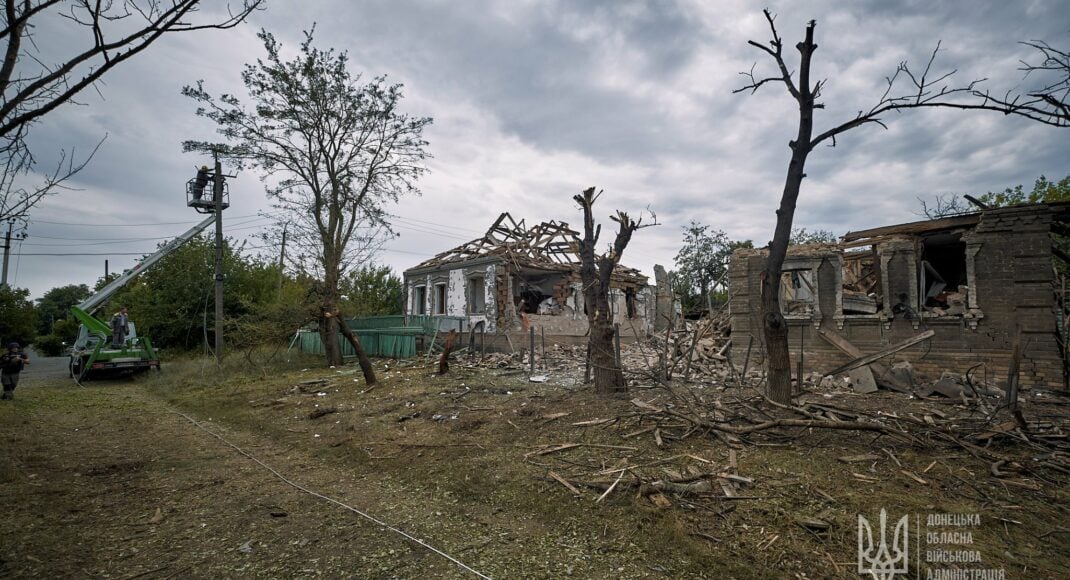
x,y
334,501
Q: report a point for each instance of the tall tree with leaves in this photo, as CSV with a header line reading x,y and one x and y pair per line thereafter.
x,y
924,89
1044,191
372,290
17,316
596,271
98,36
702,262
56,304
336,150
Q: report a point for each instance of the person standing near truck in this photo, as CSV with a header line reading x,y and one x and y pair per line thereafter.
x,y
120,328
11,364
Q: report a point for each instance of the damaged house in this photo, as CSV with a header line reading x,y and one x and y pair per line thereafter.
x,y
978,281
515,278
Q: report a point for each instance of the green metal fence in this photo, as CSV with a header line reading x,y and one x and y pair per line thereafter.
x,y
381,336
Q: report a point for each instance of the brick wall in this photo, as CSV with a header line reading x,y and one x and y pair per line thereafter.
x,y
1013,278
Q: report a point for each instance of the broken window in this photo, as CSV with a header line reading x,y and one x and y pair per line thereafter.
x,y
538,292
629,301
438,299
476,295
862,293
419,299
942,275
798,293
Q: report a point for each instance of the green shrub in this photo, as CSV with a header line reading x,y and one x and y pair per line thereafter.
x,y
49,345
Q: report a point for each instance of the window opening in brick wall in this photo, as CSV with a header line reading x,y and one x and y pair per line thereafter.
x,y
419,298
798,293
942,276
438,301
477,303
629,301
862,292
540,293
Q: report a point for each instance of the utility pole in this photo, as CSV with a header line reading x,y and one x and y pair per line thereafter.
x,y
7,251
217,191
282,261
7,246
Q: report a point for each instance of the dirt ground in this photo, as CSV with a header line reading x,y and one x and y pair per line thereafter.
x,y
207,472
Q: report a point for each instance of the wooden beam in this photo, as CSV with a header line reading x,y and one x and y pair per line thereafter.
x,y
870,359
975,201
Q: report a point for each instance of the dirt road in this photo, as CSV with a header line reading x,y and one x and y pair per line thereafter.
x,y
108,481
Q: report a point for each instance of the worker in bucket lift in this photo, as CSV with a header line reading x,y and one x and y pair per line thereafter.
x,y
120,328
200,182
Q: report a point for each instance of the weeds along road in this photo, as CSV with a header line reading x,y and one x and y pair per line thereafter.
x,y
108,481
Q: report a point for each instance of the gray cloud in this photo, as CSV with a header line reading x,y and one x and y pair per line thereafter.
x,y
535,100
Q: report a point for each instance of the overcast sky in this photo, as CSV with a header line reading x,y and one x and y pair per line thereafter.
x,y
533,101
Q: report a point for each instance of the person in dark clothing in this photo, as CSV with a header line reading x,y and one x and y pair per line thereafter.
x,y
120,328
200,182
11,364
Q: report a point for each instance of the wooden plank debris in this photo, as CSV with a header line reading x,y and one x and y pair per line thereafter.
x,y
552,449
869,359
564,482
859,458
603,496
593,422
913,476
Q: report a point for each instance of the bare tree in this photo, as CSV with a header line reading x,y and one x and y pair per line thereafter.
x,y
929,89
110,33
333,150
596,270
1049,101
943,205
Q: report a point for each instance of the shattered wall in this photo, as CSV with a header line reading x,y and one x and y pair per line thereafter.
x,y
1007,264
550,300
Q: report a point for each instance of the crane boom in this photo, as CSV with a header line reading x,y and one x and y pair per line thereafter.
x,y
112,287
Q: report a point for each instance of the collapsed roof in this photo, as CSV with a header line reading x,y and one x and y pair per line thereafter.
x,y
549,245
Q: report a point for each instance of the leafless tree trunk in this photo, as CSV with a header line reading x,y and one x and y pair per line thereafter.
x,y
365,363
596,271
928,89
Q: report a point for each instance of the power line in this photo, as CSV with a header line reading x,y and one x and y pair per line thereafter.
x,y
438,224
126,225
82,254
100,241
114,253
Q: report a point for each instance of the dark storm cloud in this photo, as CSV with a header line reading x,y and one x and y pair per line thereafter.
x,y
535,100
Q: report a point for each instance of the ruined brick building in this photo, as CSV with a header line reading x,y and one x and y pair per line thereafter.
x,y
516,277
976,280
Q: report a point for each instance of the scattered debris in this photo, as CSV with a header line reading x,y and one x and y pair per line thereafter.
x,y
321,411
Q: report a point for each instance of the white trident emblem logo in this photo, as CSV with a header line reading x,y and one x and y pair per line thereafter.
x,y
881,560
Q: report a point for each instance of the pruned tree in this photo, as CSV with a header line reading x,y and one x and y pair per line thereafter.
x,y
596,271
925,89
333,150
33,86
